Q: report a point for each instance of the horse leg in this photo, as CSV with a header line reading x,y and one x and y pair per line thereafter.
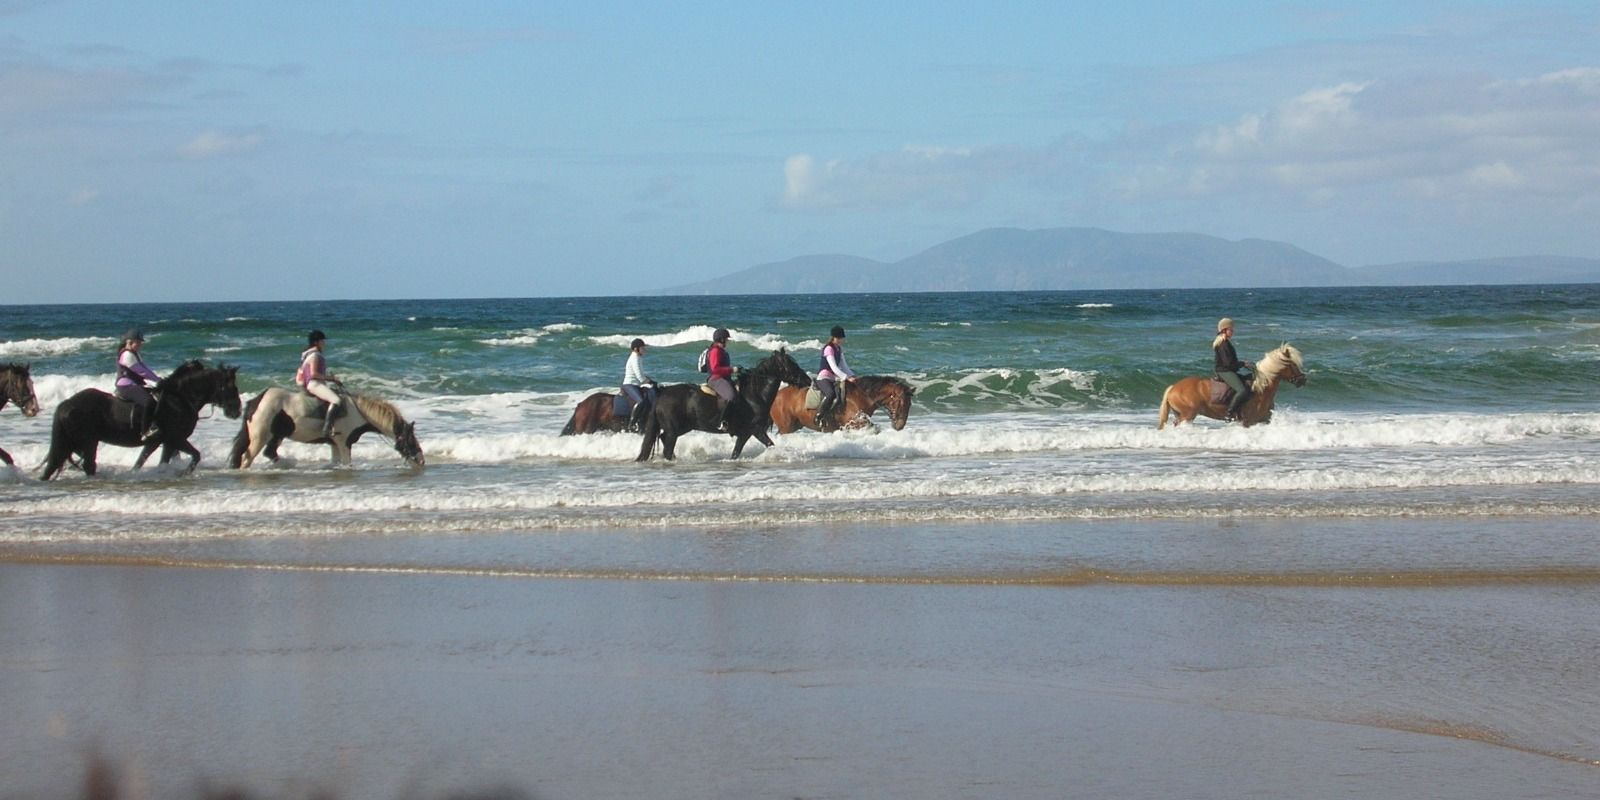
x,y
669,445
191,450
144,454
341,450
88,454
6,457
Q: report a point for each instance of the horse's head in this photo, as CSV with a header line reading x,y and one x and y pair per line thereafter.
x,y
406,444
1283,363
225,390
17,386
895,395
783,367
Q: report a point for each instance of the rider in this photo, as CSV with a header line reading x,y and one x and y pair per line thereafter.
x,y
720,366
639,387
1228,366
134,381
832,370
314,377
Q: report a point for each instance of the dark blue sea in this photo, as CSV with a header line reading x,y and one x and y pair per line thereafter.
x,y
1029,406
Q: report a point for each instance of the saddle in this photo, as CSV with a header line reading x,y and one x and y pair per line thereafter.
x,y
1221,393
122,410
621,406
813,398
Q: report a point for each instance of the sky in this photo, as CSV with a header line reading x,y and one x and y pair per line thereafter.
x,y
216,150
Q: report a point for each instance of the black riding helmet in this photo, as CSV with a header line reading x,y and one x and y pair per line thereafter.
x,y
720,336
837,332
316,336
636,344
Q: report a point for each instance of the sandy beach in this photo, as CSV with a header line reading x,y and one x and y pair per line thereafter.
x,y
362,681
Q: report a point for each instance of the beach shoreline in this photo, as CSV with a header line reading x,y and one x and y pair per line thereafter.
x,y
286,682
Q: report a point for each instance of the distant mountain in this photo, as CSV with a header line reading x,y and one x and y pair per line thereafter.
x,y
1012,259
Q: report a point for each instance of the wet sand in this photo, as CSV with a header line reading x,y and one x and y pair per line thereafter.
x,y
286,682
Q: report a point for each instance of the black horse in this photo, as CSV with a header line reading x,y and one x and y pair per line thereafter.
x,y
16,386
91,416
684,407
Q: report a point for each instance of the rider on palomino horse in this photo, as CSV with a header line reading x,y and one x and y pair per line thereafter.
x,y
1228,366
314,377
134,381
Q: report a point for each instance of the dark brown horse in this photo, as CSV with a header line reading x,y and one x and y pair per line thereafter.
x,y
596,413
16,386
684,407
85,420
1192,397
862,397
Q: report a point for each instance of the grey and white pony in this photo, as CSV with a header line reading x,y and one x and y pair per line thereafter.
x,y
278,414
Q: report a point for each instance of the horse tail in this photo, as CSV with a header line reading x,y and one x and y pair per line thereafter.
x,y
60,446
652,431
572,425
1166,407
241,442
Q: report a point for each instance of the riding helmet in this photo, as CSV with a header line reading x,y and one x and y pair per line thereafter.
x,y
1224,324
636,344
316,336
720,336
133,335
837,332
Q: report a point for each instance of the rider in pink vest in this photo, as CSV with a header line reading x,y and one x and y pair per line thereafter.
x,y
314,377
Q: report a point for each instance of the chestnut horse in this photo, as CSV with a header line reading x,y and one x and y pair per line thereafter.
x,y
16,386
596,413
1191,397
862,397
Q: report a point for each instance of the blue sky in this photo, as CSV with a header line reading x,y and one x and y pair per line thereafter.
x,y
230,151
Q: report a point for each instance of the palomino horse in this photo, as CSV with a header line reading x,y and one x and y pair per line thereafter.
x,y
1191,397
862,397
684,407
278,414
91,416
16,386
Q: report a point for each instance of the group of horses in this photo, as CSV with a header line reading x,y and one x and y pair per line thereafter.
x,y
92,417
685,407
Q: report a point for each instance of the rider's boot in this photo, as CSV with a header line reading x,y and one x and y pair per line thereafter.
x,y
636,418
825,421
335,410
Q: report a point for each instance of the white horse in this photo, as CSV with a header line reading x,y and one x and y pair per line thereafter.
x,y
279,414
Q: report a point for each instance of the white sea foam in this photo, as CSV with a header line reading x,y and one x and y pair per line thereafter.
x,y
526,337
888,326
560,327
1095,305
41,348
701,334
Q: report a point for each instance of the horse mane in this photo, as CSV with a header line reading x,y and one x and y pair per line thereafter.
x,y
182,372
381,413
874,383
1273,363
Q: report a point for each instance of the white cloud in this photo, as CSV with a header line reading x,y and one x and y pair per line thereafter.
x,y
912,175
213,144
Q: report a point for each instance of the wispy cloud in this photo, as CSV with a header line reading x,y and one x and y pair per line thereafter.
x,y
464,41
1397,138
215,144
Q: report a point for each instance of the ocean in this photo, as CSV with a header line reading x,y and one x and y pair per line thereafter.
x,y
1387,591
1029,406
